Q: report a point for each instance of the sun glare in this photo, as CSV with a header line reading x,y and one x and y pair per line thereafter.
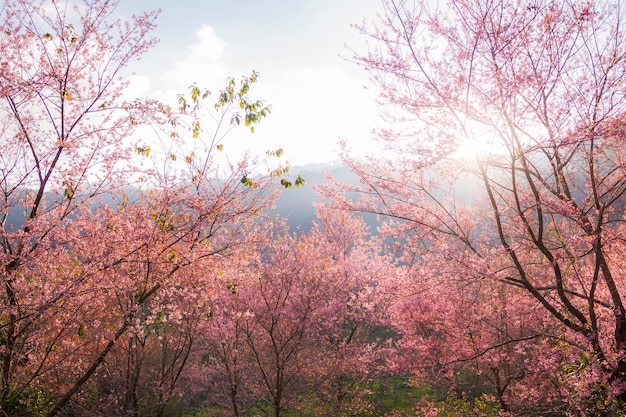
x,y
469,150
476,144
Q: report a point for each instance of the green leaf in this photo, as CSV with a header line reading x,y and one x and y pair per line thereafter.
x,y
195,93
247,181
143,150
183,104
220,147
232,287
69,188
196,129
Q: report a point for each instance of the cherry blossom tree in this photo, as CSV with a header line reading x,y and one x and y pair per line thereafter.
x,y
468,337
62,135
82,276
354,321
280,299
505,157
144,373
301,315
226,370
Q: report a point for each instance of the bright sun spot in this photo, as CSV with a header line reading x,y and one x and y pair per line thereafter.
x,y
470,150
477,144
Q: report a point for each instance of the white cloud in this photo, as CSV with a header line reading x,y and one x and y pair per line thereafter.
x,y
314,104
202,62
164,74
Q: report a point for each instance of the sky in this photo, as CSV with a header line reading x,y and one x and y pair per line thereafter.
x,y
299,47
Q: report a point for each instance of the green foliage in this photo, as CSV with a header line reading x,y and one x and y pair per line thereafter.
x,y
232,287
485,406
195,129
395,393
155,325
282,171
580,365
254,110
247,181
275,153
199,413
299,182
378,398
69,189
232,95
195,95
232,103
143,150
164,221
590,396
33,403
